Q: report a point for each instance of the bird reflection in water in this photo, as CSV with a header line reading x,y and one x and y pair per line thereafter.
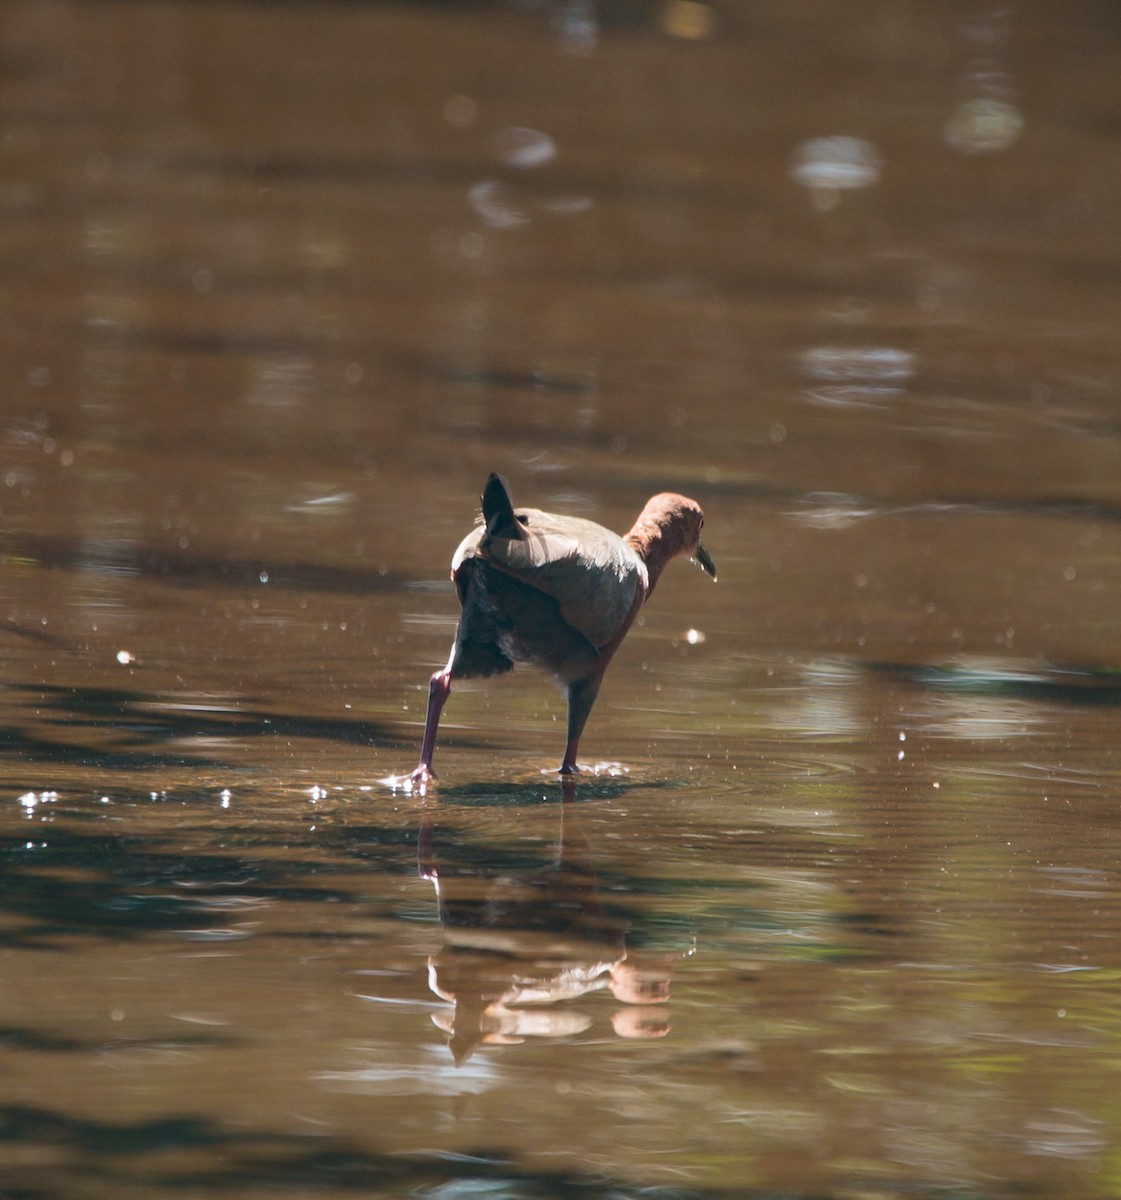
x,y
522,946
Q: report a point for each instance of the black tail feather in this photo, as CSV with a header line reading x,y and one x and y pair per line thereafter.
x,y
498,510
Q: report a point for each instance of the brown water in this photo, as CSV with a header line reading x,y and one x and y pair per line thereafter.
x,y
839,915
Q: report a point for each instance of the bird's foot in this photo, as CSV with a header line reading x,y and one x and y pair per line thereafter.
x,y
418,781
599,768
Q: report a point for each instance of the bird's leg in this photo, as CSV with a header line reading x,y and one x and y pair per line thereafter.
x,y
439,688
581,696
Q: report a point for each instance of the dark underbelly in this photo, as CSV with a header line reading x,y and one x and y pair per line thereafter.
x,y
505,621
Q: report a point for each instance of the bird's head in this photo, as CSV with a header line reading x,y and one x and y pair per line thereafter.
x,y
668,527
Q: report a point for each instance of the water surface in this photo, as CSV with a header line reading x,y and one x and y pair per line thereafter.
x,y
838,913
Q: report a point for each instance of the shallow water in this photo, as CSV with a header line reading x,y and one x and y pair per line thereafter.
x,y
837,910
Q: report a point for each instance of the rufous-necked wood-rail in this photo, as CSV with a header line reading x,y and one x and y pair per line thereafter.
x,y
556,591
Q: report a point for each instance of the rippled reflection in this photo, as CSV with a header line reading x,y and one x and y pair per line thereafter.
x,y
525,948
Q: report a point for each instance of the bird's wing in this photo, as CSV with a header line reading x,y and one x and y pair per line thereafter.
x,y
593,575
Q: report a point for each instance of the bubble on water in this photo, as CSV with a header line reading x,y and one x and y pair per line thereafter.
x,y
856,376
522,147
694,637
983,125
567,205
494,206
124,657
874,363
577,25
829,165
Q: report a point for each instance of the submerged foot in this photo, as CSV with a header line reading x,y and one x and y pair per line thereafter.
x,y
418,781
588,769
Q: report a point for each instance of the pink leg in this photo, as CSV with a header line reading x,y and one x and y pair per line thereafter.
x,y
439,688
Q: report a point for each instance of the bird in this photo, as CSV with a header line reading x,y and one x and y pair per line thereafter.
x,y
558,592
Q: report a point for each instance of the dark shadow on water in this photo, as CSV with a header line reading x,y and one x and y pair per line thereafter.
x,y
20,1124
548,788
29,748
59,883
176,567
123,1155
25,1038
19,1037
147,719
1048,683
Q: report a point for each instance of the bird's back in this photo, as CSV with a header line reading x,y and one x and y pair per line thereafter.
x,y
596,579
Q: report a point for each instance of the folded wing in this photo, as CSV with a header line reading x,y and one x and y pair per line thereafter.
x,y
594,576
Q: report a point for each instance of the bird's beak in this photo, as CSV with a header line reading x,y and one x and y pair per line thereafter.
x,y
701,558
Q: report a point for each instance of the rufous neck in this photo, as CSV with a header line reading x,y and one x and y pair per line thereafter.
x,y
669,525
649,541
